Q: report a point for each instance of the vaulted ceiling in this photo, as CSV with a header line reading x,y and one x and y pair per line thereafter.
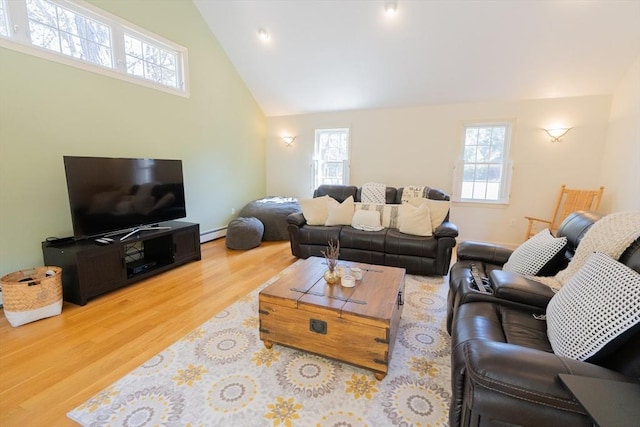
x,y
328,55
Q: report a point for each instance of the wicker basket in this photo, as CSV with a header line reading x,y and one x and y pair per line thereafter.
x,y
32,294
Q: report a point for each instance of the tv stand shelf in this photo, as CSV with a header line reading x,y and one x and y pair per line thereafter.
x,y
89,270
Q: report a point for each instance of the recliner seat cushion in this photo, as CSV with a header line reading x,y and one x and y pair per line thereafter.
x,y
406,244
319,234
358,239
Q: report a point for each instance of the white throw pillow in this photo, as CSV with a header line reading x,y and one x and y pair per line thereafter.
x,y
316,210
532,256
416,221
438,209
595,307
389,213
341,214
366,220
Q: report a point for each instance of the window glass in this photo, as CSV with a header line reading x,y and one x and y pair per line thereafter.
x,y
483,174
67,32
331,160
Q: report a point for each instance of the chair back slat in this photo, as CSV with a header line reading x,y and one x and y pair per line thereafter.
x,y
569,201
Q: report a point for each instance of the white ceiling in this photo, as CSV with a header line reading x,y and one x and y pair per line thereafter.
x,y
327,55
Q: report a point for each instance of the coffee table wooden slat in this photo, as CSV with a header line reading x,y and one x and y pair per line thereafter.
x,y
355,325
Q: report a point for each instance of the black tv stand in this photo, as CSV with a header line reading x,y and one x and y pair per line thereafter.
x,y
136,230
90,269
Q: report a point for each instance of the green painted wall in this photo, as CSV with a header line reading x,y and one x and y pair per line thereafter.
x,y
48,110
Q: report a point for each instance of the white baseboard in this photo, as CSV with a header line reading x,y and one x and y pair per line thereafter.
x,y
209,235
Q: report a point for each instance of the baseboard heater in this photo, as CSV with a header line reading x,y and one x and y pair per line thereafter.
x,y
216,233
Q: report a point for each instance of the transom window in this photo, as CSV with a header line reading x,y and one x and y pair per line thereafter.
x,y
62,30
483,174
331,157
93,40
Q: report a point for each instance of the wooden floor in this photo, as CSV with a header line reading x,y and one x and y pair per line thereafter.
x,y
53,365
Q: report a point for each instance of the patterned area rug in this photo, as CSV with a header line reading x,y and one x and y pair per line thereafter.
x,y
222,374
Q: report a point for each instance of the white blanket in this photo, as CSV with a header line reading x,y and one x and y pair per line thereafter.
x,y
374,193
612,234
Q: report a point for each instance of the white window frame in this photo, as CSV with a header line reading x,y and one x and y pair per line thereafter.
x,y
506,164
318,162
20,41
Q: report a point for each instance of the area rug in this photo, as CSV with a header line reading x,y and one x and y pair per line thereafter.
x,y
221,374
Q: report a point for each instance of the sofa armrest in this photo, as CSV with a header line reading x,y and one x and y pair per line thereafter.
x,y
514,287
446,229
483,252
296,218
500,389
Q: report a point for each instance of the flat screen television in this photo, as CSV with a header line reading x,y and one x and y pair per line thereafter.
x,y
112,195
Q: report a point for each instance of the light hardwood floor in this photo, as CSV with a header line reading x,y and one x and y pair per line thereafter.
x,y
53,365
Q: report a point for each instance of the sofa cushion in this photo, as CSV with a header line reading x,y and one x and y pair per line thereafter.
x,y
389,213
366,220
319,234
357,239
595,309
406,244
415,220
537,254
341,214
438,209
316,210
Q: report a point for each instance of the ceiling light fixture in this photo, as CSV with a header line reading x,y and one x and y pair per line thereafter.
x,y
263,35
390,8
557,133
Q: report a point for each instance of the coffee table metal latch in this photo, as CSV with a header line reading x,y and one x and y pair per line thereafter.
x,y
400,299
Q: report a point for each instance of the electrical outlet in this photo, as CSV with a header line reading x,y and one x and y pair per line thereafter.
x,y
233,211
512,222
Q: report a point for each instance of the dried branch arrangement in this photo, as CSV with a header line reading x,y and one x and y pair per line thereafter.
x,y
331,255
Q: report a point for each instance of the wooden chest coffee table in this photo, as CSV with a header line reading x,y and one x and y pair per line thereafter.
x,y
355,325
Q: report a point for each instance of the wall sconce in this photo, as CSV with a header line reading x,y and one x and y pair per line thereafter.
x,y
263,35
557,133
288,140
391,7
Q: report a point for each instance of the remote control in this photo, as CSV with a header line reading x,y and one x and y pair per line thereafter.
x,y
104,241
478,279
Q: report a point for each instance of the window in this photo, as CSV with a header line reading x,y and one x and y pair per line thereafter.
x,y
69,33
4,23
150,61
78,34
331,157
483,174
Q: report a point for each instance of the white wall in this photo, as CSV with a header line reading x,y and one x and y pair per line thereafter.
x,y
418,146
621,165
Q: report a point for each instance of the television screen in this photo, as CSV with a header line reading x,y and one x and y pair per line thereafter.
x,y
116,194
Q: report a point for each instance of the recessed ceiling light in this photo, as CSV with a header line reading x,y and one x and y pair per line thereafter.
x,y
391,7
263,35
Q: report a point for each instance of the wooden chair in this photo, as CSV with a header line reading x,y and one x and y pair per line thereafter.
x,y
569,201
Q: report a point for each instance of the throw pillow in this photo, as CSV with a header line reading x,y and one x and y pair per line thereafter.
x,y
316,210
366,220
416,221
595,309
533,255
389,213
438,209
341,214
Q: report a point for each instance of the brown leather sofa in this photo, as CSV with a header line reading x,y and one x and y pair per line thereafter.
x,y
503,369
419,255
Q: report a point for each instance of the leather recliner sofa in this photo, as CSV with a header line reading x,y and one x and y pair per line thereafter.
x,y
489,259
419,255
503,368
